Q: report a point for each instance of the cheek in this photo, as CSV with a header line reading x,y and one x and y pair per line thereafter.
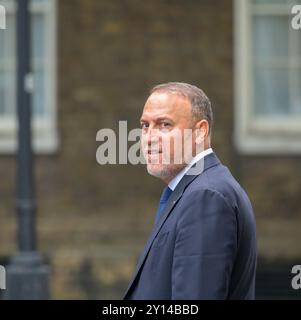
x,y
143,145
170,147
166,140
173,140
143,139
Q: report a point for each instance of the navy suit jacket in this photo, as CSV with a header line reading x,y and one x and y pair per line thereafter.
x,y
204,245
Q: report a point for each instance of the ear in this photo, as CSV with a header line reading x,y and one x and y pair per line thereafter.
x,y
202,130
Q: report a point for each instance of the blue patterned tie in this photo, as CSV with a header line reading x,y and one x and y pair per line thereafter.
x,y
164,197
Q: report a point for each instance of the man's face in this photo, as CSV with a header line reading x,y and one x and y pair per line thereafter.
x,y
164,118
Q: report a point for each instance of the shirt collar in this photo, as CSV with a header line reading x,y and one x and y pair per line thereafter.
x,y
174,182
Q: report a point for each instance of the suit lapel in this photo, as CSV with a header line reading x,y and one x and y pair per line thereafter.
x,y
210,160
173,199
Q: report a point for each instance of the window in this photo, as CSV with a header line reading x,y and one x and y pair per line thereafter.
x,y
43,31
267,78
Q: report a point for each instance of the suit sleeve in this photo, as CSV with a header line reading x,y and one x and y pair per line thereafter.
x,y
205,247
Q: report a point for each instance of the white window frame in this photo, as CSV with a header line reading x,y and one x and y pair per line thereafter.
x,y
45,133
257,135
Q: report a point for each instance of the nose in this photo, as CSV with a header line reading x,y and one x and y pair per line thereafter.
x,y
150,138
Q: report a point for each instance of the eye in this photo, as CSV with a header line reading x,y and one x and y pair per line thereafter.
x,y
144,125
165,124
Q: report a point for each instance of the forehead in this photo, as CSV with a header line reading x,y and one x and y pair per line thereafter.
x,y
166,103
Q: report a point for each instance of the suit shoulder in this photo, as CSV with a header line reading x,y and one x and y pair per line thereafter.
x,y
220,180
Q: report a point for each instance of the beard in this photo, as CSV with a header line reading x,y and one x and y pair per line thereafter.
x,y
165,172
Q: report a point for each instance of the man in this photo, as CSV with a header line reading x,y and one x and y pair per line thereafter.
x,y
203,243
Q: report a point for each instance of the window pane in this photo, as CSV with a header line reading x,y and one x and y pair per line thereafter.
x,y
38,46
2,91
39,93
7,71
7,38
296,92
8,64
38,35
42,18
296,37
270,36
7,93
271,93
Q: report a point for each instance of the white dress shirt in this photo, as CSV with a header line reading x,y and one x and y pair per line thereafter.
x,y
174,182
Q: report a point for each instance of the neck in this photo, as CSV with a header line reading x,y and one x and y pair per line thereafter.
x,y
178,168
